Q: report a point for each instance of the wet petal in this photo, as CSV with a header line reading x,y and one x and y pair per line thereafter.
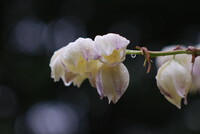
x,y
174,81
79,56
87,49
112,82
111,48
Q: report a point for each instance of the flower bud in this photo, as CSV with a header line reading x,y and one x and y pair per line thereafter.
x,y
174,81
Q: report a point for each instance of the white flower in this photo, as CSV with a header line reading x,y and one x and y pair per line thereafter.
x,y
100,61
74,62
111,48
174,81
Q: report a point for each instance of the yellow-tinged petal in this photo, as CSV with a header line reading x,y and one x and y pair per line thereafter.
x,y
112,81
57,68
111,48
76,62
78,80
79,56
174,81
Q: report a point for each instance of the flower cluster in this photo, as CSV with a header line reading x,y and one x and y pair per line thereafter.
x,y
99,60
177,76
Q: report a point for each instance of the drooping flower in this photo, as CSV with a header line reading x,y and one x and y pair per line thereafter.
x,y
74,62
174,81
112,81
111,48
100,61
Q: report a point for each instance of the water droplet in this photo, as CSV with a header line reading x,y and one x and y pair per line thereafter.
x,y
133,55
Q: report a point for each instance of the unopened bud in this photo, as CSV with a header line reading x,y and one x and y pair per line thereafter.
x,y
174,81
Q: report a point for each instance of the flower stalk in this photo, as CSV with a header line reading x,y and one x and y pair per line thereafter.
x,y
154,54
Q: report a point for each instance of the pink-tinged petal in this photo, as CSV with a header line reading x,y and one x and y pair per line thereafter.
x,y
79,56
111,48
112,81
87,49
106,44
174,81
71,56
93,74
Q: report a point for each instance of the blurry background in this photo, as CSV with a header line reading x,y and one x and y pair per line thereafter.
x,y
31,30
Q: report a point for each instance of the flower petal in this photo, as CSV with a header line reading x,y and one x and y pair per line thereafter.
x,y
57,68
68,78
79,56
78,80
112,81
111,48
87,49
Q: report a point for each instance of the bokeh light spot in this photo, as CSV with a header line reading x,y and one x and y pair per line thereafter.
x,y
52,118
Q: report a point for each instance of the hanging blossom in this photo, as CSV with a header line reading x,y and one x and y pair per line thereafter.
x,y
177,76
100,61
174,81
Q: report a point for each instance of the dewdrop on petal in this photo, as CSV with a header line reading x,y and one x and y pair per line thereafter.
x,y
111,48
174,81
